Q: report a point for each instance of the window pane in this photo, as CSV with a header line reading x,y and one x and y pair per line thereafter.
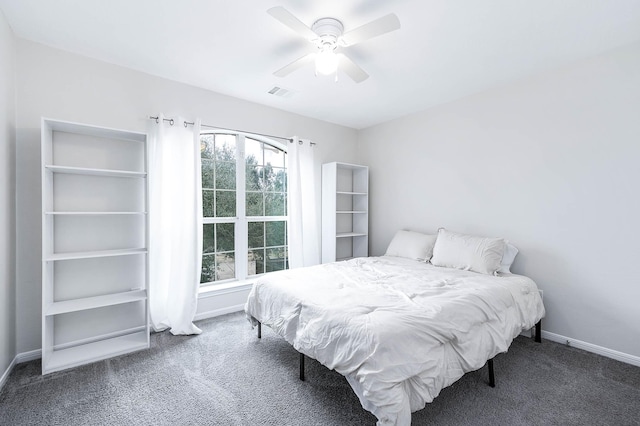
x,y
225,266
225,148
225,175
254,177
256,234
255,204
225,240
208,240
275,259
279,180
253,150
225,203
255,262
274,205
275,233
273,156
207,174
207,203
208,269
206,146
268,179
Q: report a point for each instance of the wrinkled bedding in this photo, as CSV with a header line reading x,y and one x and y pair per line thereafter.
x,y
399,330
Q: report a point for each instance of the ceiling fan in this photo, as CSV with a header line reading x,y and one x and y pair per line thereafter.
x,y
328,35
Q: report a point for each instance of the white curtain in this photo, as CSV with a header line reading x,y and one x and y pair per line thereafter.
x,y
304,242
175,224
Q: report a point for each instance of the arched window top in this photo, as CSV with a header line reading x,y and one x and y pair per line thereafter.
x,y
276,144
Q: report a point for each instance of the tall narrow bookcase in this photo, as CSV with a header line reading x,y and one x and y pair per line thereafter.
x,y
94,244
345,211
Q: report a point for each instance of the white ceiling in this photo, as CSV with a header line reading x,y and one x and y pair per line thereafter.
x,y
446,49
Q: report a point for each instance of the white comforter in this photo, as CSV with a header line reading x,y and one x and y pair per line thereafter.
x,y
399,330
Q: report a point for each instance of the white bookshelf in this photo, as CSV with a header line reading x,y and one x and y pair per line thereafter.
x,y
94,213
93,254
94,172
94,244
96,351
345,211
86,303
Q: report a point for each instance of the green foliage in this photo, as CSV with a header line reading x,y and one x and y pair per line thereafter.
x,y
208,238
275,233
274,204
208,269
254,204
225,203
225,237
256,234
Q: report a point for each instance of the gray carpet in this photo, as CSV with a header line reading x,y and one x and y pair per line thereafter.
x,y
226,376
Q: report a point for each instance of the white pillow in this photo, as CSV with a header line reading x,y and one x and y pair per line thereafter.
x,y
467,252
413,245
510,252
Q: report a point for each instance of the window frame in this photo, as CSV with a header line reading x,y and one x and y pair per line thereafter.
x,y
241,220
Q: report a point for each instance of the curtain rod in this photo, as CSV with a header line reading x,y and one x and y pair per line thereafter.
x,y
171,121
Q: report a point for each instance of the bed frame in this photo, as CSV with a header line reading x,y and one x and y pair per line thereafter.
x,y
537,337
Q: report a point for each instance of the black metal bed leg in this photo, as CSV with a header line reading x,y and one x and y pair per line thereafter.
x,y
301,366
259,330
492,377
538,336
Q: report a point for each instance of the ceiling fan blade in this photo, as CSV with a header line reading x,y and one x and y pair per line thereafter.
x,y
285,17
298,63
350,68
373,29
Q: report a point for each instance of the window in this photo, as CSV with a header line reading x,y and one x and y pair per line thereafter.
x,y
244,202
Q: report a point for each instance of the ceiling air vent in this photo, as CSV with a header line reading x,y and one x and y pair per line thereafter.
x,y
281,92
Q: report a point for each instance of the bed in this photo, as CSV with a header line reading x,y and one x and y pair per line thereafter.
x,y
399,329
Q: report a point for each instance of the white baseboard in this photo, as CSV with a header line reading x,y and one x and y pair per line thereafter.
x,y
19,358
28,356
218,312
6,373
589,347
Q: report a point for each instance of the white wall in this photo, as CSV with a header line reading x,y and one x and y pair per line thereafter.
x,y
550,163
60,85
7,197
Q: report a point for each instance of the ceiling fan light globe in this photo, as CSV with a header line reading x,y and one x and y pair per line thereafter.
x,y
326,62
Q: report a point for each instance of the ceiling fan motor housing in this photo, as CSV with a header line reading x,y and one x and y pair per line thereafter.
x,y
329,30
